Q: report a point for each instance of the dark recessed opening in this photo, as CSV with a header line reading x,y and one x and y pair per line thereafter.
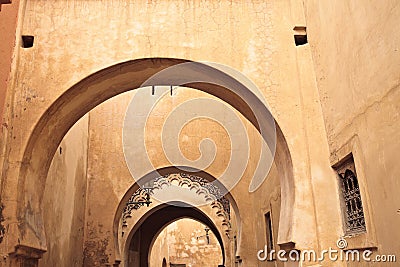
x,y
300,39
300,35
27,41
270,239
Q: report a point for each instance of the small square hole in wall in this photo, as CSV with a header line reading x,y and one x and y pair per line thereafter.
x,y
27,41
300,35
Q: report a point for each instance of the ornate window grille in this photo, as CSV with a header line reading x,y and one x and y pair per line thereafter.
x,y
353,207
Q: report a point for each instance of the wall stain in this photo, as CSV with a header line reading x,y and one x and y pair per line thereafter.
x,y
2,228
94,253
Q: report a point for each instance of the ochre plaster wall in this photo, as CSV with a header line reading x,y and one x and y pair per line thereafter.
x,y
65,200
356,53
8,26
160,250
8,29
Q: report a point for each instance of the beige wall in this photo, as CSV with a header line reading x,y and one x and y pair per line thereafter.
x,y
160,250
108,177
8,25
356,55
267,199
65,200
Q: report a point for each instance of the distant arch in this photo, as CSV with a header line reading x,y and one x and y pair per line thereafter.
x,y
158,219
171,170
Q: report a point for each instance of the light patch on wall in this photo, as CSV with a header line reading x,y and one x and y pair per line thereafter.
x,y
187,244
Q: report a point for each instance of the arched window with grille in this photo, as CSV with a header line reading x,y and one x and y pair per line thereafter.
x,y
351,197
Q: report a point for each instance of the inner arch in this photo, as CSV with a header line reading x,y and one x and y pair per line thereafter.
x,y
186,241
149,228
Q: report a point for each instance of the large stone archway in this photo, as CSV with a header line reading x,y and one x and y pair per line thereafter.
x,y
97,88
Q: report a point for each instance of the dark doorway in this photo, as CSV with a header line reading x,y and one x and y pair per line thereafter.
x,y
143,238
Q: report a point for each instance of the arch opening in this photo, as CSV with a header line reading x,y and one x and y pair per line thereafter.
x,y
223,221
143,236
186,242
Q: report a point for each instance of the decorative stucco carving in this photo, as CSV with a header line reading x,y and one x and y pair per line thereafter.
x,y
139,195
199,185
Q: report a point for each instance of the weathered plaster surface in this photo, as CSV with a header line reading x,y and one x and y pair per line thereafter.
x,y
64,199
357,64
8,26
